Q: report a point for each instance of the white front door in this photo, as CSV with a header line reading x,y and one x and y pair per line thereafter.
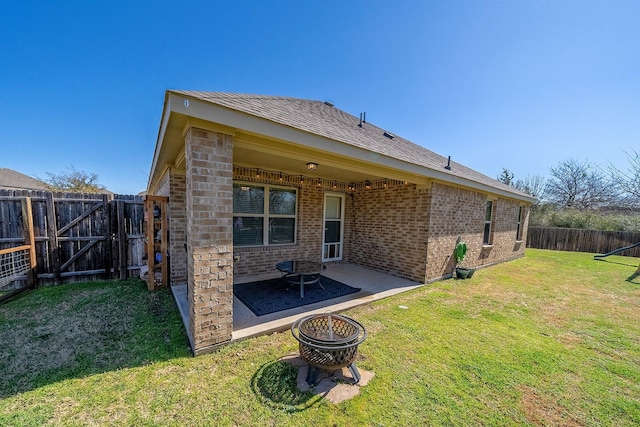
x,y
332,240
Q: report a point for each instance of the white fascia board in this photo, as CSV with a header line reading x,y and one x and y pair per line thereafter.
x,y
244,121
164,121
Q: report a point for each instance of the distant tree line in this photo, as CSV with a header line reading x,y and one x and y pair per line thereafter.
x,y
580,194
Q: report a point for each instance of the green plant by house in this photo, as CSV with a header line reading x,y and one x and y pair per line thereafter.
x,y
460,252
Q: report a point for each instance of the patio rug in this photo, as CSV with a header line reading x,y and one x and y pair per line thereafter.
x,y
270,296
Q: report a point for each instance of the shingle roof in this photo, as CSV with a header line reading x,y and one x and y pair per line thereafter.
x,y
325,120
16,180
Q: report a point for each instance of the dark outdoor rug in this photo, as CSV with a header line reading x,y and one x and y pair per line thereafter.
x,y
270,296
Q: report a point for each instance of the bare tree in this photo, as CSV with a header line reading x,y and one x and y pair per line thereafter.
x,y
74,181
533,185
579,185
628,181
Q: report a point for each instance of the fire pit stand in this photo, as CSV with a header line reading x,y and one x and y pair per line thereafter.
x,y
328,342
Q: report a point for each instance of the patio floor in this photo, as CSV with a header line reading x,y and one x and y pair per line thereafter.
x,y
375,285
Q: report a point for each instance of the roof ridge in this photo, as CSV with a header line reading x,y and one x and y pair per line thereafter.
x,y
243,95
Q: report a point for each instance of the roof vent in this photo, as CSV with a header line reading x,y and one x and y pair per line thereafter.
x,y
448,167
389,135
330,104
363,119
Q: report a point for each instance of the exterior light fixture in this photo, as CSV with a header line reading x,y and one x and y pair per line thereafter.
x,y
312,166
367,184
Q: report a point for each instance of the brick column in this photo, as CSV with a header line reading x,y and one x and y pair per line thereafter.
x,y
209,201
177,227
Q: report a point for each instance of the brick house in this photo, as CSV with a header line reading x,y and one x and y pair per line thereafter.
x,y
253,180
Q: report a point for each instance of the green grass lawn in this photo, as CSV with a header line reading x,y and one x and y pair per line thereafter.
x,y
549,339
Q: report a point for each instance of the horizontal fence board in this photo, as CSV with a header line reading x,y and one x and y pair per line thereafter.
x,y
579,240
76,236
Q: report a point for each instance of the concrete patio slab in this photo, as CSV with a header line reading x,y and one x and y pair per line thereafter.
x,y
374,286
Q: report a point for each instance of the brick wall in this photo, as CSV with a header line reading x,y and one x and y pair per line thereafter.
x,y
388,230
503,245
163,186
209,207
458,212
173,186
177,227
406,231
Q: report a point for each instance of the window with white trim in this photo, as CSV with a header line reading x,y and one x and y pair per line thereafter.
x,y
487,239
519,225
263,215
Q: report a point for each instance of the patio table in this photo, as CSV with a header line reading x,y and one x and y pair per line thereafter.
x,y
301,272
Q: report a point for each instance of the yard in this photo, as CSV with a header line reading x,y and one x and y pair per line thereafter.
x,y
549,339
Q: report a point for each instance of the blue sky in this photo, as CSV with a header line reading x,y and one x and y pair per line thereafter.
x,y
514,83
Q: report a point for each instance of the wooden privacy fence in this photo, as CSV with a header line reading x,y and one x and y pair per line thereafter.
x,y
75,236
578,240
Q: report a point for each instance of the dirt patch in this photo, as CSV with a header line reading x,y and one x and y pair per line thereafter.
x,y
544,411
569,339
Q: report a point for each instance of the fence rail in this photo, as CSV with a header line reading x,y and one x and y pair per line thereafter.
x,y
76,236
578,240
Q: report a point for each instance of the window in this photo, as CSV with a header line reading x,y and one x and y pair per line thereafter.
x,y
519,225
263,215
488,218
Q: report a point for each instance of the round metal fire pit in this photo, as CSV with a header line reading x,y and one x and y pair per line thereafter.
x,y
330,342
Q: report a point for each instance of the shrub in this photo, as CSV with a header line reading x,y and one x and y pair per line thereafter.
x,y
549,216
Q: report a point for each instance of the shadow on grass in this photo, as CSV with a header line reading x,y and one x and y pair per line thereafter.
x,y
634,278
609,261
275,384
71,331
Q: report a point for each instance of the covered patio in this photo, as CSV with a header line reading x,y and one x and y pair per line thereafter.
x,y
374,286
256,180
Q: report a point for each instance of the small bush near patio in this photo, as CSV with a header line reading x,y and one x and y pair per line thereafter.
x,y
550,339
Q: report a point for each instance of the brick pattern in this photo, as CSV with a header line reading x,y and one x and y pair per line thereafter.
x,y
406,231
163,186
504,245
388,230
173,186
457,212
177,227
209,207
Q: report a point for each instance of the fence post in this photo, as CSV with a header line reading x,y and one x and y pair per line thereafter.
x,y
29,239
52,231
122,242
106,256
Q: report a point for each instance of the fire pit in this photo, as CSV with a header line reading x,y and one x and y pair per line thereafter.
x,y
329,342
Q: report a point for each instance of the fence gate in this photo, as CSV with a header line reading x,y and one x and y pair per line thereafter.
x,y
82,231
72,236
